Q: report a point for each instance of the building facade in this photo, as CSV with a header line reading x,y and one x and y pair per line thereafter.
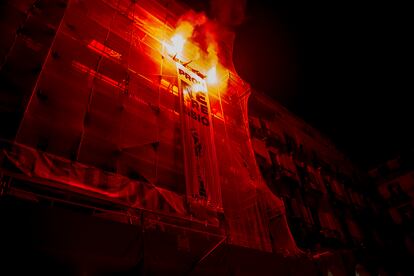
x,y
130,144
395,183
330,206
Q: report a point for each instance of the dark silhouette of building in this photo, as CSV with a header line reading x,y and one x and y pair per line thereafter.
x,y
394,180
125,152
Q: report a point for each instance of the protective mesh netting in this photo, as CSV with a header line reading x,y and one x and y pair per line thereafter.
x,y
106,117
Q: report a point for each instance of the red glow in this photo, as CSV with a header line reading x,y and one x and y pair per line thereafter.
x,y
131,111
170,143
103,50
85,69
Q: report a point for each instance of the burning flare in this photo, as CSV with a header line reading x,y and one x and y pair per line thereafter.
x,y
212,75
212,59
183,32
195,25
178,42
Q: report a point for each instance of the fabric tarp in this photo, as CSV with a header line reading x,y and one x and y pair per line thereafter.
x,y
134,193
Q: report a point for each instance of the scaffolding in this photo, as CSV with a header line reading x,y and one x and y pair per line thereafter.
x,y
108,117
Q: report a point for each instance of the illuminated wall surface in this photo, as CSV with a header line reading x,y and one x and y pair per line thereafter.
x,y
119,111
125,106
132,111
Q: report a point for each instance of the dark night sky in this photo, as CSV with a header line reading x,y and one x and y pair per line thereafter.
x,y
341,67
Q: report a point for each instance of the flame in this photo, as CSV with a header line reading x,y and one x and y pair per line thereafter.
x,y
195,25
212,57
169,48
197,87
178,42
212,75
181,34
175,46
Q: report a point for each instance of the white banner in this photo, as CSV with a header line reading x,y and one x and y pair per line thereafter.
x,y
202,178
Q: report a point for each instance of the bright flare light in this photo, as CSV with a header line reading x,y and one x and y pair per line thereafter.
x,y
212,75
197,87
178,42
169,48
